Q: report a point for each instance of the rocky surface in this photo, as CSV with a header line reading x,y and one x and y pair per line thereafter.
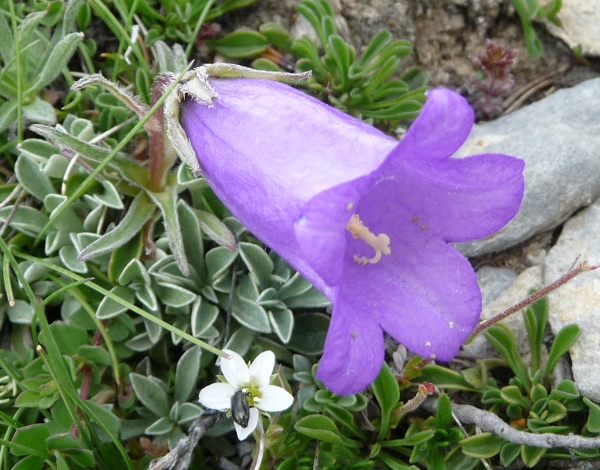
x,y
580,26
578,301
559,139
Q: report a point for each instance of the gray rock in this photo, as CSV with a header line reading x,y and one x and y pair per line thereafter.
x,y
580,25
559,139
578,301
493,281
531,278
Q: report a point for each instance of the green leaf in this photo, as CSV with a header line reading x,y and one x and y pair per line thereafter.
x,y
283,324
258,262
276,35
140,211
482,446
509,453
593,421
443,415
309,333
218,261
40,111
32,179
33,436
503,339
25,219
21,313
216,230
323,428
512,394
240,44
250,315
95,354
532,455
151,394
443,377
386,391
162,426
564,339
110,308
535,318
186,373
167,203
174,295
203,316
56,61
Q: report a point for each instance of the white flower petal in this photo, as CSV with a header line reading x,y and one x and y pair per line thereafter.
x,y
274,399
243,433
262,368
235,369
217,396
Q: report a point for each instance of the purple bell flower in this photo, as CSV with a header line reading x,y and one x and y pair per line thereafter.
x,y
366,219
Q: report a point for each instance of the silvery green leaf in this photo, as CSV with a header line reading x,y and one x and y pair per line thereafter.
x,y
283,324
241,340
110,308
151,394
37,149
216,230
55,166
167,203
310,299
57,60
258,262
160,427
247,289
250,315
32,179
134,274
82,129
139,212
110,197
68,220
68,255
139,343
186,374
154,331
43,288
210,335
34,271
55,240
40,111
203,316
269,301
209,294
146,296
297,285
94,218
25,219
187,413
20,313
7,44
8,114
173,295
28,26
218,261
192,238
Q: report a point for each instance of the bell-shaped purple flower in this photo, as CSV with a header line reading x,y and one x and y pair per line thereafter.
x,y
368,220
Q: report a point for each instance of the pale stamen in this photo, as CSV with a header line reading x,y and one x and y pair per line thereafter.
x,y
380,243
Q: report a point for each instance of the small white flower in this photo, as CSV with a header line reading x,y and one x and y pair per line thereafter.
x,y
253,383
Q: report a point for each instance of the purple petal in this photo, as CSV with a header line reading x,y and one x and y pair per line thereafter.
x,y
442,127
457,199
353,352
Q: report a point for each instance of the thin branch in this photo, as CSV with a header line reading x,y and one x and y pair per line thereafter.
x,y
583,267
489,422
179,457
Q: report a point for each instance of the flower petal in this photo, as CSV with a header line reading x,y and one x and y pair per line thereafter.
x,y
424,293
321,230
235,370
243,433
456,199
442,126
262,368
217,396
353,352
274,398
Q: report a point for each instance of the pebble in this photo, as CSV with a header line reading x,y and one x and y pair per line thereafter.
x,y
558,137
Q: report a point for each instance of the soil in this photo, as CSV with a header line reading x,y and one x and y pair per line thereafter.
x,y
447,35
